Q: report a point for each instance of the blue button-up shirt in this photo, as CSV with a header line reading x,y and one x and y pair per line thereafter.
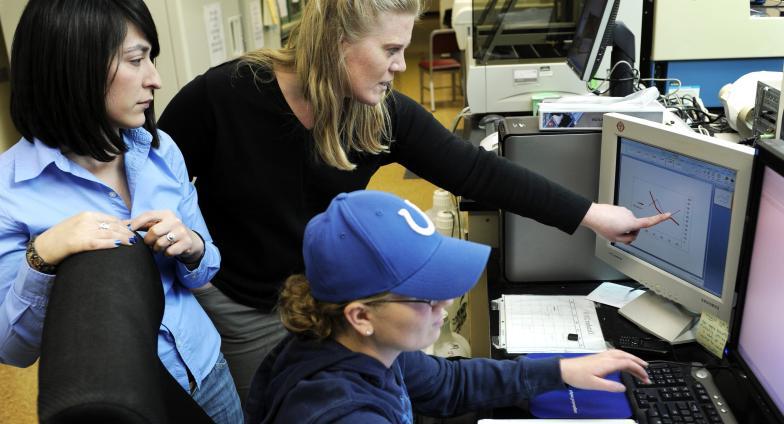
x,y
40,187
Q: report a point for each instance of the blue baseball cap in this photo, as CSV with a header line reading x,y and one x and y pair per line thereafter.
x,y
371,242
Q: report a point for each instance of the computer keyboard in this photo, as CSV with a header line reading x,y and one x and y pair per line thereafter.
x,y
678,393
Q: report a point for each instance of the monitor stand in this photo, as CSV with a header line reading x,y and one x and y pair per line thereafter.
x,y
660,317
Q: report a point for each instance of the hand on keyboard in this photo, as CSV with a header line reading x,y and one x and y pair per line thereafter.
x,y
588,372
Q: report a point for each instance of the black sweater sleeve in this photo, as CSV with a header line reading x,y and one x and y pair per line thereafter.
x,y
424,146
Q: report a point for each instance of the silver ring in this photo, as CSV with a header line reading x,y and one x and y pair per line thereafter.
x,y
171,237
103,226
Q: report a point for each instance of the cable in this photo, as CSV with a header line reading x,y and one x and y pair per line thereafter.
x,y
458,220
466,111
692,110
688,107
635,78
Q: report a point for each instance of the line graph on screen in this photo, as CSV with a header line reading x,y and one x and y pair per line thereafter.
x,y
649,198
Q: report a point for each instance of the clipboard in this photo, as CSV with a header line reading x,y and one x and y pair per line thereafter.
x,y
547,324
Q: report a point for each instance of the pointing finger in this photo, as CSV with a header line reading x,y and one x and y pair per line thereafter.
x,y
653,220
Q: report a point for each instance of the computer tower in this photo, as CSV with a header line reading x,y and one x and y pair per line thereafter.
x,y
532,252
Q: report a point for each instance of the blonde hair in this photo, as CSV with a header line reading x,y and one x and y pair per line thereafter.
x,y
304,315
341,125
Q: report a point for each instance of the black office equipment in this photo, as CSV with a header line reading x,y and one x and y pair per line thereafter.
x,y
593,34
756,345
678,393
766,106
643,347
596,30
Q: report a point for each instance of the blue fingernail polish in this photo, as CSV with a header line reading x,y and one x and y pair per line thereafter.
x,y
132,240
117,243
129,227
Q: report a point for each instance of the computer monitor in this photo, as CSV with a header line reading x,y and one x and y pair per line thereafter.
x,y
596,30
755,343
592,36
689,262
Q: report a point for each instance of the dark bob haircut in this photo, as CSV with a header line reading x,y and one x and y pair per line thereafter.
x,y
60,75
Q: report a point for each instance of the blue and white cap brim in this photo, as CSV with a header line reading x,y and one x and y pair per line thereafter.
x,y
452,270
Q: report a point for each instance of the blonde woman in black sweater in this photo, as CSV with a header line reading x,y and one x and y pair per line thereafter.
x,y
275,135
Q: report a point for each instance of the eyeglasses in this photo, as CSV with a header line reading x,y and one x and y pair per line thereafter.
x,y
430,303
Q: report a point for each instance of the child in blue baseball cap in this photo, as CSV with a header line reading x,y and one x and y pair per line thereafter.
x,y
377,277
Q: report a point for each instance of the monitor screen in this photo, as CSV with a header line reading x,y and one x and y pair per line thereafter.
x,y
692,244
758,343
591,37
691,259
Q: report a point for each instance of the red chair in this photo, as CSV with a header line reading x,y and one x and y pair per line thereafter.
x,y
443,50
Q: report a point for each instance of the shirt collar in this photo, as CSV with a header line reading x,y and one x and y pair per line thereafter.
x,y
36,156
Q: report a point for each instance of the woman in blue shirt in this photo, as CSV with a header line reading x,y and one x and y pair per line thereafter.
x,y
92,168
377,278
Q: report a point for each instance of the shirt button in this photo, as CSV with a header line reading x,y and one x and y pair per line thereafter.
x,y
112,194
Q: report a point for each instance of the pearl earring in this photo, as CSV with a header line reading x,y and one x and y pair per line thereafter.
x,y
369,332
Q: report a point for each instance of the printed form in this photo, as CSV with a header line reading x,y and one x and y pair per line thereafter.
x,y
549,324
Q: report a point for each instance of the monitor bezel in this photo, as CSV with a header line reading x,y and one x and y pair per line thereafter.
x,y
780,112
770,155
692,144
586,71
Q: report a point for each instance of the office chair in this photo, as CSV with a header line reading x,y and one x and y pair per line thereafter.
x,y
99,349
443,45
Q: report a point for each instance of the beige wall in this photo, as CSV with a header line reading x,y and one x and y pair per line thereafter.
x,y
8,134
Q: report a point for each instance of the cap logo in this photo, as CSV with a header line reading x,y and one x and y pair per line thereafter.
x,y
425,231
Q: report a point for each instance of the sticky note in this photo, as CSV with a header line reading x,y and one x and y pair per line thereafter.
x,y
712,333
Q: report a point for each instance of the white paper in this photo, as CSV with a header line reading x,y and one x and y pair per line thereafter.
x,y
216,38
534,323
557,421
257,23
283,8
614,294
